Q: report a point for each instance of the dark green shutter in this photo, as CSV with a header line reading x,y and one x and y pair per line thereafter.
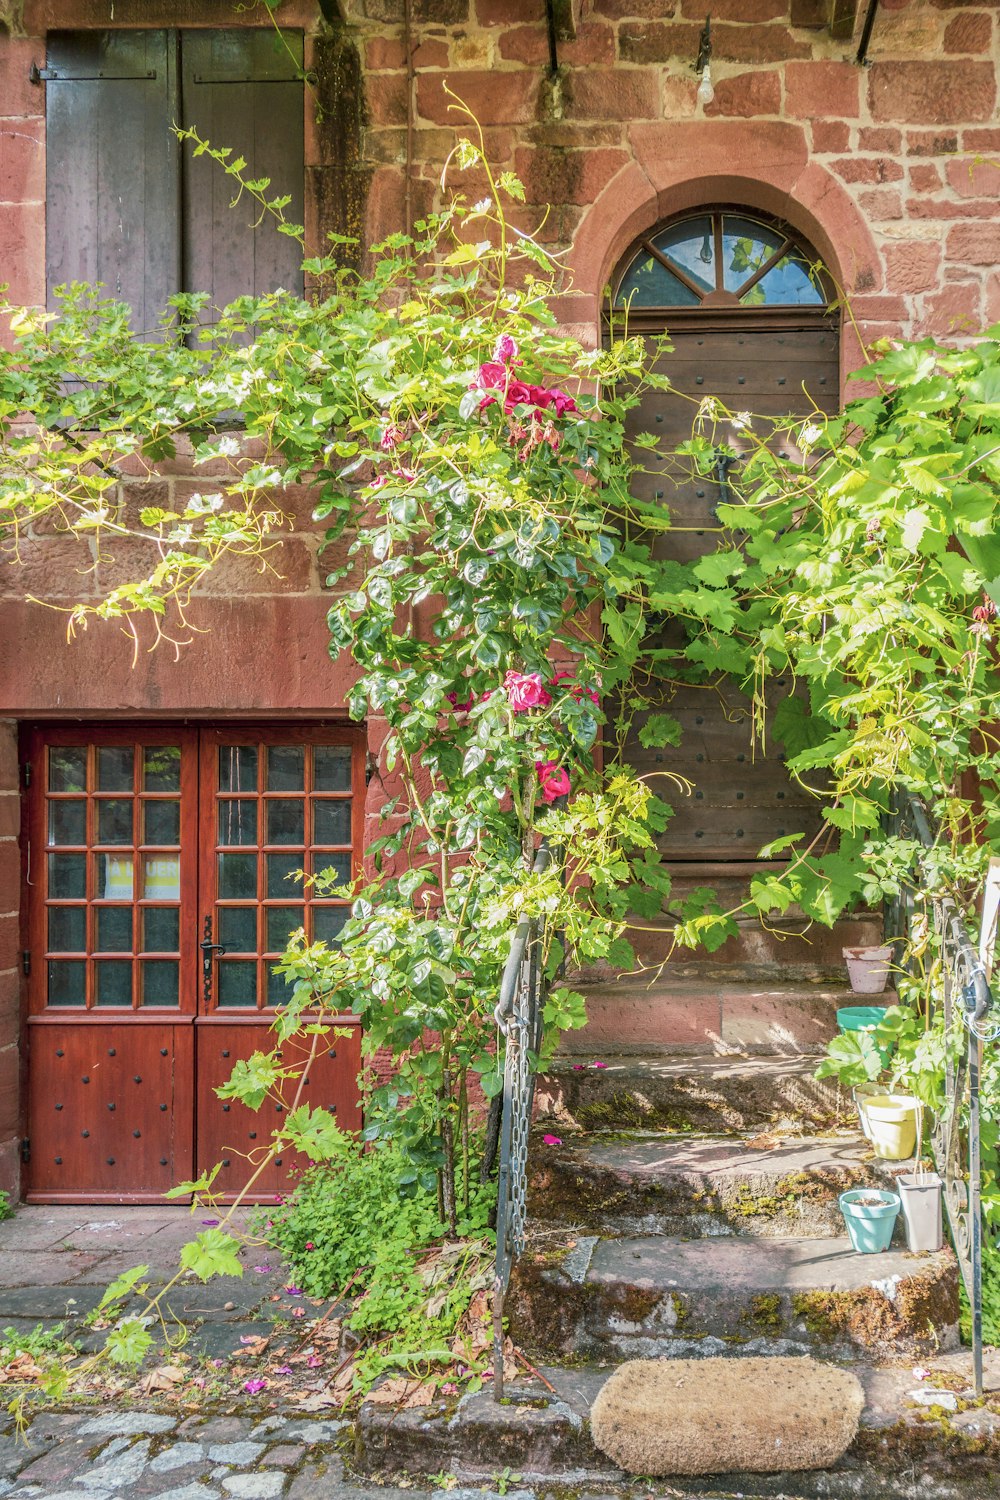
x,y
113,166
243,89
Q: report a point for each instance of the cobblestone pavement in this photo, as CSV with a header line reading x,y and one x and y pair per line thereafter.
x,y
137,1455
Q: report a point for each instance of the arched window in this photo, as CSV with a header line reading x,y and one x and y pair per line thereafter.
x,y
722,258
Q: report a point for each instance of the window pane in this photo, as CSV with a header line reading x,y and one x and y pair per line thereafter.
x,y
114,822
114,929
237,822
114,877
159,982
237,877
161,929
745,248
237,982
68,876
67,982
332,822
161,877
67,929
648,284
332,768
691,246
68,822
328,922
114,768
790,281
286,821
161,768
286,768
237,768
336,866
67,768
279,991
238,928
161,822
113,982
281,923
281,881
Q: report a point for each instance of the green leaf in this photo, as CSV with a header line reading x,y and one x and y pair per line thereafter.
x,y
660,730
123,1286
212,1253
129,1343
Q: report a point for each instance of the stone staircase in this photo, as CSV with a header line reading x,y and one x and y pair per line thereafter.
x,y
686,1205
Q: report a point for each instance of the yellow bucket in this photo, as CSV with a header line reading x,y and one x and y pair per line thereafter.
x,y
892,1121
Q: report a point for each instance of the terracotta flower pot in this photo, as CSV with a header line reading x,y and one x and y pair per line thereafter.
x,y
868,969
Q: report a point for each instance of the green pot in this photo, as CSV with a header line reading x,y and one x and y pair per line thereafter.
x,y
869,1225
864,1018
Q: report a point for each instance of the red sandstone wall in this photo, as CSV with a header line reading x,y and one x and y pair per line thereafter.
x,y
881,168
10,974
887,169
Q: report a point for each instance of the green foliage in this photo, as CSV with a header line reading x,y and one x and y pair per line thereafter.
x,y
6,1207
364,1225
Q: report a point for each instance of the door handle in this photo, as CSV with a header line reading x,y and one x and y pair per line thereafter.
x,y
208,947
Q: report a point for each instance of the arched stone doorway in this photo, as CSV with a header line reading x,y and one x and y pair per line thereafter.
x,y
747,304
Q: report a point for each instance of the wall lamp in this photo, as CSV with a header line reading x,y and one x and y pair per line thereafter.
x,y
706,93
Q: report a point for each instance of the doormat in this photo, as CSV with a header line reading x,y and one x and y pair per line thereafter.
x,y
726,1416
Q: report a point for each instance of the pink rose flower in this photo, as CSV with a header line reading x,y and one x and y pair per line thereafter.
x,y
505,349
553,780
524,690
492,376
552,1140
392,435
460,708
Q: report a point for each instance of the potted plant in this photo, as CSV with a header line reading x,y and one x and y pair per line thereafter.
x,y
856,1060
892,1124
868,968
869,1214
920,1195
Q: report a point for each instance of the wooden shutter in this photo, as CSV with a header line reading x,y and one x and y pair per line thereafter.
x,y
113,166
242,89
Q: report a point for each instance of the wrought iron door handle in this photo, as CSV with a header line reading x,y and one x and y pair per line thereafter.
x,y
207,949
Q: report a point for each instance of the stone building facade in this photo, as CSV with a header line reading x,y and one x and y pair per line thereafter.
x,y
890,171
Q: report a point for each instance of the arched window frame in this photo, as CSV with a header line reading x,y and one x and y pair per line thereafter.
x,y
722,309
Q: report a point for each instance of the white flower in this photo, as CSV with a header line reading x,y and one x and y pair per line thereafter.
x,y
810,434
742,421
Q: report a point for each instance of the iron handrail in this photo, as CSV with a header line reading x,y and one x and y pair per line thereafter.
x,y
518,1015
963,993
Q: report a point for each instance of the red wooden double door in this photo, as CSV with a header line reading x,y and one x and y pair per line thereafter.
x,y
162,869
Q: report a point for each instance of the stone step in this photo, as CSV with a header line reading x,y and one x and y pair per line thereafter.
x,y
541,1430
584,1297
698,1186
793,942
722,1016
702,1093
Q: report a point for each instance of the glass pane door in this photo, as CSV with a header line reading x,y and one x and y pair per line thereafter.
x,y
282,808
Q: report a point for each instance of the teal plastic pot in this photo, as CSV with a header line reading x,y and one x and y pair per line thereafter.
x,y
864,1018
869,1223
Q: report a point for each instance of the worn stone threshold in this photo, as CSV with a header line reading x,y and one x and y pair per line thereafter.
x,y
903,1449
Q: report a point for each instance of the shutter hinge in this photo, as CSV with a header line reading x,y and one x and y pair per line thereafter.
x,y
26,773
25,1151
52,75
26,962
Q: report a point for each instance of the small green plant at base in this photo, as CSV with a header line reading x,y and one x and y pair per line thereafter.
x,y
504,1480
6,1211
363,1226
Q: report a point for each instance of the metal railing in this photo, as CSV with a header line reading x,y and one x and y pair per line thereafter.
x,y
519,1018
960,989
